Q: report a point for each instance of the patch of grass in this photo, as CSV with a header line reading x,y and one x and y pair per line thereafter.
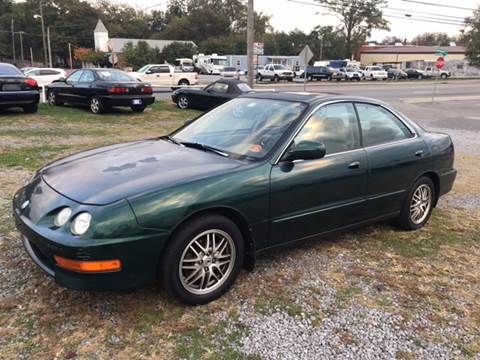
x,y
345,295
39,132
30,157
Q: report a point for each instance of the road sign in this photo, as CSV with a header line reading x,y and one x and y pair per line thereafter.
x,y
440,63
441,52
257,48
306,54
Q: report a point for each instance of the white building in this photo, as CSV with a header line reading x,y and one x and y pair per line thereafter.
x,y
106,44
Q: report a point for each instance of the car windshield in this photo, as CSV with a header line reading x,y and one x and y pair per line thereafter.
x,y
279,67
9,70
243,127
375,68
143,69
114,75
229,69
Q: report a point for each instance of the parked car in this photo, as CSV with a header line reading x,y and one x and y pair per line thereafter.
x,y
210,96
396,74
274,72
17,90
318,73
231,71
164,75
375,73
100,90
261,171
184,64
417,74
434,72
351,74
45,76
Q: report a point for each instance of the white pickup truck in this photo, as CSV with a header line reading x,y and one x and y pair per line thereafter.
x,y
164,75
375,72
275,72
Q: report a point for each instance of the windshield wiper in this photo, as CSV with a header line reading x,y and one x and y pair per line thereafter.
x,y
205,148
169,138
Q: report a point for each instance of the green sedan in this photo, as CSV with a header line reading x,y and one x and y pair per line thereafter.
x,y
189,210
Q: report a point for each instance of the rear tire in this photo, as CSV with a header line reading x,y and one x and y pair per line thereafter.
x,y
96,105
184,82
418,205
444,76
202,260
30,108
138,108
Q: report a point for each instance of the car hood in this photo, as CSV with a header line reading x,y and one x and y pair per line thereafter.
x,y
105,175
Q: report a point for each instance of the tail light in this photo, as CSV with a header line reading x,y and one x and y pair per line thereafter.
x,y
118,90
31,82
147,90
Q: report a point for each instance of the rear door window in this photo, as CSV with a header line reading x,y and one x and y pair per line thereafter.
x,y
75,77
380,126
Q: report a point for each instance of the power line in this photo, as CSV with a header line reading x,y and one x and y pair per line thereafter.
x,y
438,5
424,20
425,13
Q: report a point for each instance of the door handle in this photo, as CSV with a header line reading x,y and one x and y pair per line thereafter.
x,y
419,153
354,165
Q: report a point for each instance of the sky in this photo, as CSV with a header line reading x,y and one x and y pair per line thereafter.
x,y
288,15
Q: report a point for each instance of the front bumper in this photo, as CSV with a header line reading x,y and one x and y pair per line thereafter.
x,y
127,100
18,98
138,251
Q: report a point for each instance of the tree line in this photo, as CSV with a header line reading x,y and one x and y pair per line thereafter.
x,y
215,26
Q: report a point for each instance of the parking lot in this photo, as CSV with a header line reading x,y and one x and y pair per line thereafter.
x,y
371,293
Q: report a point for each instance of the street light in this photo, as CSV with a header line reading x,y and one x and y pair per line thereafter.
x,y
321,46
40,16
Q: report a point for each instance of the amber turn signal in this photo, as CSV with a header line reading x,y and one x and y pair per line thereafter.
x,y
88,266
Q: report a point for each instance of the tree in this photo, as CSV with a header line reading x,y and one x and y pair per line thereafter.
x,y
138,55
391,40
432,39
358,18
472,38
177,50
86,56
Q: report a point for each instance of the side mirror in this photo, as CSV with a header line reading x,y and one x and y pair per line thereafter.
x,y
62,79
306,150
148,72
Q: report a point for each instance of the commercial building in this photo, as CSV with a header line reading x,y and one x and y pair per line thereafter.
x,y
240,61
420,57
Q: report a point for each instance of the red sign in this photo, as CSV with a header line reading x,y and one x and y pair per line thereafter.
x,y
440,63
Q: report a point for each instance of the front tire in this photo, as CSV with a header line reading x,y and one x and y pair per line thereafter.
x,y
203,259
138,108
183,102
52,99
96,105
418,205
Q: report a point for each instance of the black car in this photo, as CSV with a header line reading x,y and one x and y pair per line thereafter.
x,y
417,74
210,96
101,89
17,90
317,73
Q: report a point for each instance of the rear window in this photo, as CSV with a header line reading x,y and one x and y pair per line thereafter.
x,y
114,75
9,70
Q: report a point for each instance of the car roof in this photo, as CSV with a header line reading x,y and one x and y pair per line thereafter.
x,y
310,98
230,81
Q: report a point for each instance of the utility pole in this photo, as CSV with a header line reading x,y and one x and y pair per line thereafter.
x,y
31,56
43,35
321,47
49,48
13,41
70,55
21,45
250,36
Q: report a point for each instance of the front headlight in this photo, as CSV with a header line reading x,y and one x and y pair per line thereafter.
x,y
81,223
62,217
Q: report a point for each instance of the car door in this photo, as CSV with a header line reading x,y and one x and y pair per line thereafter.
x,y
217,94
160,75
311,197
395,155
269,72
65,92
83,90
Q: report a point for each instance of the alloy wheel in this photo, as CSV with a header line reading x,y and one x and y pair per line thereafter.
x,y
420,204
95,105
207,262
183,102
51,98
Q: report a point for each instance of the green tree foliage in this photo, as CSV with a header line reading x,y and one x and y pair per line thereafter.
x,y
177,50
140,54
358,19
472,39
432,39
